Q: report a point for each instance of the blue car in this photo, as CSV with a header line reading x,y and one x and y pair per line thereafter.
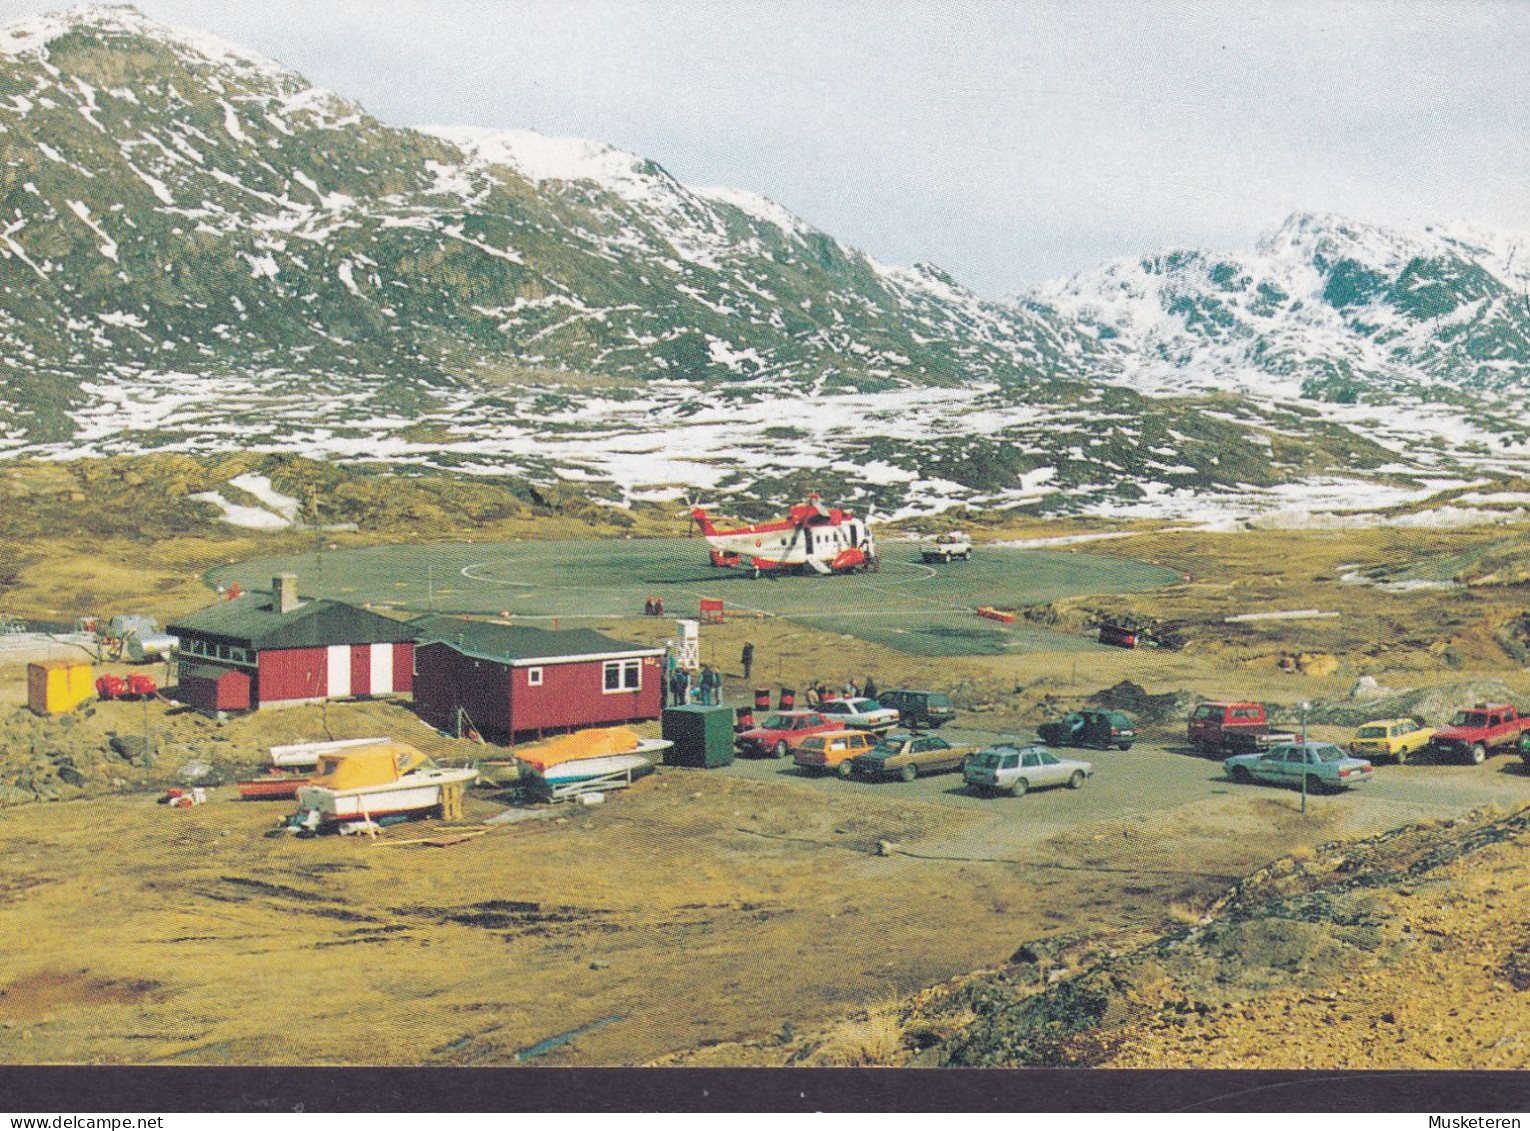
x,y
1326,766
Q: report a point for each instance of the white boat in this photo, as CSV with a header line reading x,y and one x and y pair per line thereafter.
x,y
302,754
586,769
377,781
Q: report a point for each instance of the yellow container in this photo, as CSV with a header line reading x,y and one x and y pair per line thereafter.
x,y
56,687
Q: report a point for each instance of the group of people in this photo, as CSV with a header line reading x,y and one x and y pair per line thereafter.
x,y
653,606
817,692
680,686
705,686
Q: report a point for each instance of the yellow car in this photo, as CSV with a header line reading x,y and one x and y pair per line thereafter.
x,y
1390,738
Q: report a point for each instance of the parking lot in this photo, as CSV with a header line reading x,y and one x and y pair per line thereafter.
x,y
1158,776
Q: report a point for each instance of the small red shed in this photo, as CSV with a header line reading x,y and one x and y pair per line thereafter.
x,y
210,688
518,683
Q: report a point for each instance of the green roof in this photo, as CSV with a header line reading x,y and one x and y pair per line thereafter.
x,y
508,643
208,671
253,621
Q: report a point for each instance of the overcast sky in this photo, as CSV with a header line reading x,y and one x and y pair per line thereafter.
x,y
1004,142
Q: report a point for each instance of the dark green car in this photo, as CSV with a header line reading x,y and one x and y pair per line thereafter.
x,y
920,709
1090,728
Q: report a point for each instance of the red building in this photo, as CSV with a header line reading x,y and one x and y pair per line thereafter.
x,y
292,650
211,688
518,683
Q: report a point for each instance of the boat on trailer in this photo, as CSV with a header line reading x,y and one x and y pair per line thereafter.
x,y
587,761
379,780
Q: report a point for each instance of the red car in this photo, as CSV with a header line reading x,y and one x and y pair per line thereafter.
x,y
1475,731
778,733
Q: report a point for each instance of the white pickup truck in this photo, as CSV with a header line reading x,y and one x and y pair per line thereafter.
x,y
944,547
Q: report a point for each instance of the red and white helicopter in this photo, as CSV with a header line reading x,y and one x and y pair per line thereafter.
x,y
812,537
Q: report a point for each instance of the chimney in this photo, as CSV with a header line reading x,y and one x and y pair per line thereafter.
x,y
284,592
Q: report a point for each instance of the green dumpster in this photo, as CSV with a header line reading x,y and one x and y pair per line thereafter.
x,y
702,736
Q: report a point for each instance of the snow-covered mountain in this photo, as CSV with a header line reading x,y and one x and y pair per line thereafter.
x,y
200,250
1324,308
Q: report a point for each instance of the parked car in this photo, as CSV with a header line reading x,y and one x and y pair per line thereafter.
x,y
1475,731
780,731
1234,728
944,547
1326,766
907,756
919,708
1007,768
1390,738
818,753
866,714
1090,728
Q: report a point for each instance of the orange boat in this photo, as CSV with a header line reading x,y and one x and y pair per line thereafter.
x,y
599,742
272,786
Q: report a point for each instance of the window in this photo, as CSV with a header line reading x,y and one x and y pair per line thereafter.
x,y
534,677
1011,761
1031,760
623,675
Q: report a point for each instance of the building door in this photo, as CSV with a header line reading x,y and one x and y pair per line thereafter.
x,y
382,669
338,660
361,669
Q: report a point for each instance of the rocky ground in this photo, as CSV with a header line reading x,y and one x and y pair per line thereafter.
x,y
1403,950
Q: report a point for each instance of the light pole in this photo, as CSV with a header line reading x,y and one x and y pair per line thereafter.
x,y
1304,706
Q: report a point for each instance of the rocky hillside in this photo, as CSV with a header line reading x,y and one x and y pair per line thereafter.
x,y
201,251
180,204
1406,950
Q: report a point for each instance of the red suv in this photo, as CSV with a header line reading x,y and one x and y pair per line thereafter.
x,y
1232,727
778,733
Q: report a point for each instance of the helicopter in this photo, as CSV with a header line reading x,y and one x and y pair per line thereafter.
x,y
811,538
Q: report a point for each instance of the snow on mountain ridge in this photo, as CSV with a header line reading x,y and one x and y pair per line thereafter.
x,y
31,36
1322,306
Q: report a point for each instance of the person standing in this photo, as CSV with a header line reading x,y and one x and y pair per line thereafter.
x,y
871,688
747,657
813,698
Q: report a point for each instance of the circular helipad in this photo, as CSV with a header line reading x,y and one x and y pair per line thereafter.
x,y
911,606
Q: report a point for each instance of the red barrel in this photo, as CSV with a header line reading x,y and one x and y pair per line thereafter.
x,y
787,699
762,698
744,718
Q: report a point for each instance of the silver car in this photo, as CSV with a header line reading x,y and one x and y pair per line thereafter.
x,y
1011,769
861,714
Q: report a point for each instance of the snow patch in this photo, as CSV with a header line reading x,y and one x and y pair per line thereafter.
x,y
251,518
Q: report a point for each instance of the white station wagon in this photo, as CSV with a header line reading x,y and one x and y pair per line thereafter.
x,y
1006,768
